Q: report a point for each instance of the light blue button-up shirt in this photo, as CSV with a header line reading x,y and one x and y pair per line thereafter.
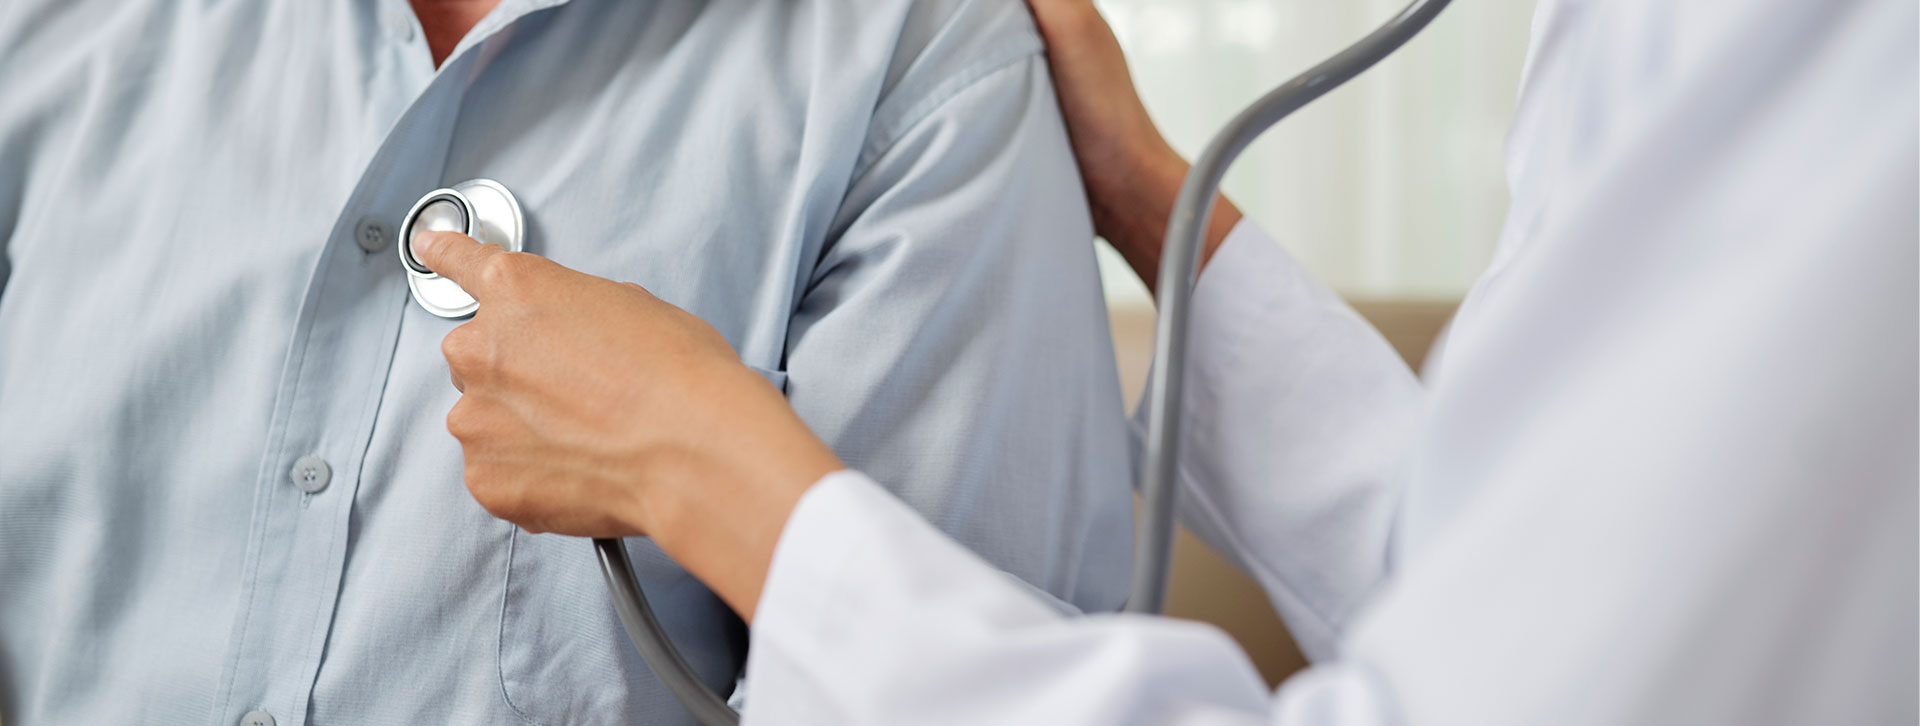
x,y
225,481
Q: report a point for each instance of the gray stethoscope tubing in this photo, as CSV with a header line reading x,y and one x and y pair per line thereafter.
x,y
1179,263
651,640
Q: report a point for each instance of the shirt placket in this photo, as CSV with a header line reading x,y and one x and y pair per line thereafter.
x,y
333,380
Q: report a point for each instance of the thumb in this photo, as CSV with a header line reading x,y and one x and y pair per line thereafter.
x,y
455,256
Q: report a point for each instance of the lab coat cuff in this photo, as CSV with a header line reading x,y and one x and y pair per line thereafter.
x,y
1243,290
811,551
1246,274
1248,290
1262,329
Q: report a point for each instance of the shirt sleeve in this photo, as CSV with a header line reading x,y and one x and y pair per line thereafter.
x,y
1298,415
953,342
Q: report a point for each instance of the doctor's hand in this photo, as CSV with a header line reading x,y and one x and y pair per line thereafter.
x,y
592,408
1132,174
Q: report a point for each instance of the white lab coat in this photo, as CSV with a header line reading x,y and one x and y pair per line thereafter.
x,y
1665,473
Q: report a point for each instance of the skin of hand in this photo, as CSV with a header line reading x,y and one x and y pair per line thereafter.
x,y
592,408
1132,174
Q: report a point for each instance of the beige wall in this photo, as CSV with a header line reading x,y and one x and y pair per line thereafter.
x,y
1204,585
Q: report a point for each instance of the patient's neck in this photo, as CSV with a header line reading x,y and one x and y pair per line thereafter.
x,y
447,21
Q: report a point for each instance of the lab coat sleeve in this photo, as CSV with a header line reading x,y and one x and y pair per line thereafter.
x,y
953,342
1298,418
870,616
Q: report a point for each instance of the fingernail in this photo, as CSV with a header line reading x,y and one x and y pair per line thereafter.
x,y
423,244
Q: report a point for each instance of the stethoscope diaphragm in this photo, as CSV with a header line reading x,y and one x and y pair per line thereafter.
x,y
479,208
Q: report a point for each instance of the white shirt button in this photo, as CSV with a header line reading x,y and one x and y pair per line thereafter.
x,y
311,474
371,234
257,718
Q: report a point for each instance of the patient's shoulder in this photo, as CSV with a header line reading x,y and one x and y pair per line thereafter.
x,y
943,40
935,50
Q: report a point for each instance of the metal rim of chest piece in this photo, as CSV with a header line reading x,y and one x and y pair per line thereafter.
x,y
479,208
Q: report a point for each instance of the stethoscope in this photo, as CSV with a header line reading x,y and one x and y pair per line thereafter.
x,y
480,208
485,210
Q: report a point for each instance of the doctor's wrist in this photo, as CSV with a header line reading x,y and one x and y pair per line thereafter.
x,y
718,503
1133,215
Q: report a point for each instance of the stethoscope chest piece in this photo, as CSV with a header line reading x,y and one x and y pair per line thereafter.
x,y
479,208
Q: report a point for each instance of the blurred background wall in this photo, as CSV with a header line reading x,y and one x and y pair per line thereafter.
x,y
1390,189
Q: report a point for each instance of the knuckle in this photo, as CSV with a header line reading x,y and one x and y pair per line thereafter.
x,y
464,423
497,271
506,271
459,346
471,354
485,491
500,499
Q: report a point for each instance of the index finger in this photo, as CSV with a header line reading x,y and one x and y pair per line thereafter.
x,y
454,256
